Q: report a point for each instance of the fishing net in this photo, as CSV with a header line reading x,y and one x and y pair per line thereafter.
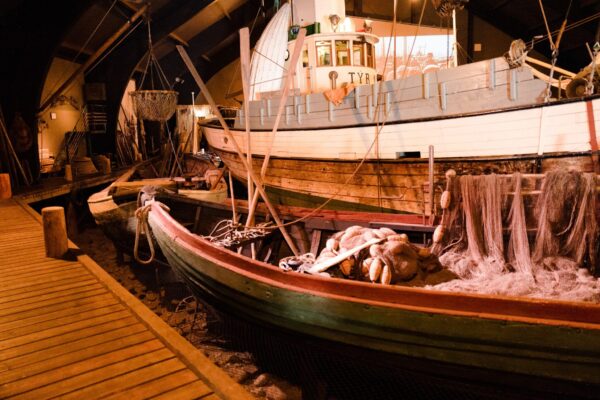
x,y
491,243
155,105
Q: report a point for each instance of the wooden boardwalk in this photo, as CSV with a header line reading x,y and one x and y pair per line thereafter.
x,y
68,330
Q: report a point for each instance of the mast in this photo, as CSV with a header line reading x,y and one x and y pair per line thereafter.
x,y
394,37
455,44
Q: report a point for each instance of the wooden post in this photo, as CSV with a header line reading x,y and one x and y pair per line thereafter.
x,y
55,231
5,188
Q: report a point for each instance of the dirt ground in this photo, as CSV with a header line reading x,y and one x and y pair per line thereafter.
x,y
158,289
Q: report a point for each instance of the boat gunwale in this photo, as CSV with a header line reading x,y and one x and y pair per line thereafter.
x,y
214,123
538,311
425,160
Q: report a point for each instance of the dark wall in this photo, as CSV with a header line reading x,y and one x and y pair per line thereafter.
x,y
30,33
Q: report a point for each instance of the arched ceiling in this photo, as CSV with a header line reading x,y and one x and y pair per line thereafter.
x,y
32,32
208,29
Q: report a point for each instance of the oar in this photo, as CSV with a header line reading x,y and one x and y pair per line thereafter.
x,y
255,179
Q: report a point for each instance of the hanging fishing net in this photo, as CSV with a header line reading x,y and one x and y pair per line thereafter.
x,y
155,105
508,239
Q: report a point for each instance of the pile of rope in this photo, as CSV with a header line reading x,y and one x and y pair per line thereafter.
x,y
228,233
490,242
302,263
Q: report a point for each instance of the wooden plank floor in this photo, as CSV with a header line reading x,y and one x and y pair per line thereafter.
x,y
68,330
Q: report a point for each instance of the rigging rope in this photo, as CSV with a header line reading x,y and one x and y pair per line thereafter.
x,y
553,46
569,27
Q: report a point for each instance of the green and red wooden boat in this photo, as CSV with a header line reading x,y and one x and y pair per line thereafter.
x,y
544,340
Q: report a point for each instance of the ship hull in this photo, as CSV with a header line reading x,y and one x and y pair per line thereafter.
x,y
317,164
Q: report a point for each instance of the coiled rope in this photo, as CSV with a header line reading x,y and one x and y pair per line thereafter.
x,y
301,263
228,233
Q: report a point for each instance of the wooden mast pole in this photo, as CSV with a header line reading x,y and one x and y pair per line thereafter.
x,y
255,179
282,102
454,38
91,59
244,69
394,35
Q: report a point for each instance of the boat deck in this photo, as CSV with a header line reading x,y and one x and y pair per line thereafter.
x,y
68,329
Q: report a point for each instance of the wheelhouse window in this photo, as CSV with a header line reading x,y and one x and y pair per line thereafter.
x,y
358,53
323,53
342,52
370,56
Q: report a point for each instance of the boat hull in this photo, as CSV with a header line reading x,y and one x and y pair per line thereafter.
x,y
403,185
545,339
349,165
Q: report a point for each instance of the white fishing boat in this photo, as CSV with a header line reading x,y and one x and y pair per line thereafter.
x,y
369,144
